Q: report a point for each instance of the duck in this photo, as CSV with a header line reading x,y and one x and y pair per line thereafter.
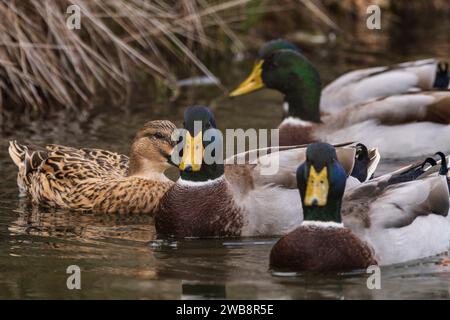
x,y
96,180
395,218
400,125
231,198
364,85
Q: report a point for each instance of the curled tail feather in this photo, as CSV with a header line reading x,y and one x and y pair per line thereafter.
x,y
16,152
27,159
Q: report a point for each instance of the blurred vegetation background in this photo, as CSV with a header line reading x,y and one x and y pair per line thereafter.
x,y
129,46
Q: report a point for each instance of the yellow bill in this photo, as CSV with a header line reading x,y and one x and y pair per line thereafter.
x,y
192,152
317,187
252,83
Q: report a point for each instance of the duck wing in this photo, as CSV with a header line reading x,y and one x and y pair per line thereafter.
x,y
111,160
279,167
426,106
364,85
379,204
403,221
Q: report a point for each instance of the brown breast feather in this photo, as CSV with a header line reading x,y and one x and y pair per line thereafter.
x,y
310,248
207,210
291,134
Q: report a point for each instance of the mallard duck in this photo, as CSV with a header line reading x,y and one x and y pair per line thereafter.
x,y
214,199
364,85
391,219
403,125
97,180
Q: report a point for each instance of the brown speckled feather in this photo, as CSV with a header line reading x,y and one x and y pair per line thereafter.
x,y
106,159
74,179
94,179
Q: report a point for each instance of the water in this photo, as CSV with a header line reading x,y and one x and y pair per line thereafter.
x,y
120,257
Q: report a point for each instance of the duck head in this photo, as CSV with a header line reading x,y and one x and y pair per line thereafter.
x,y
151,150
199,161
289,72
321,181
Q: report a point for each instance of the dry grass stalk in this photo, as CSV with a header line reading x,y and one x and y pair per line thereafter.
x,y
44,63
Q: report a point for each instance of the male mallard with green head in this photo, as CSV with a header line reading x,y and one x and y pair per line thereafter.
x,y
98,180
213,199
363,85
402,125
382,221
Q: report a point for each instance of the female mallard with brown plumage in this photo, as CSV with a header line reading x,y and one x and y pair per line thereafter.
x,y
383,221
401,125
98,180
213,199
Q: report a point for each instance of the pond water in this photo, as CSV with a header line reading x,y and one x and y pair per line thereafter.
x,y
120,257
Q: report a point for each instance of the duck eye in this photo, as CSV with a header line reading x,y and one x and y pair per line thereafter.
x,y
157,135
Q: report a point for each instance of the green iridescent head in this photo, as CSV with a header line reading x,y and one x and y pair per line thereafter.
x,y
289,72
